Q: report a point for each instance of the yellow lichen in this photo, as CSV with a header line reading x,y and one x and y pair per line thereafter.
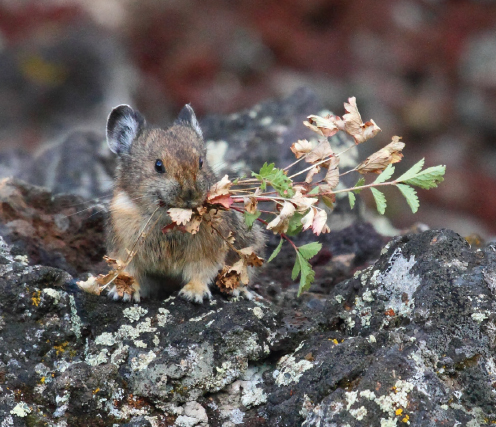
x,y
60,348
35,299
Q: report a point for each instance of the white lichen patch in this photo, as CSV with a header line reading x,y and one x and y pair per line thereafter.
x,y
134,313
97,359
479,316
235,416
351,398
257,311
21,410
163,316
119,356
62,404
367,296
140,344
339,298
359,413
142,361
251,394
289,371
76,322
56,295
105,338
133,332
389,422
199,318
397,284
397,398
368,394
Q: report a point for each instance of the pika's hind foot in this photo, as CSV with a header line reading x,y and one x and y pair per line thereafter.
x,y
195,291
125,296
243,292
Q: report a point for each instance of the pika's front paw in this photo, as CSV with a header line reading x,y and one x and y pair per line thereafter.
x,y
195,291
242,291
117,294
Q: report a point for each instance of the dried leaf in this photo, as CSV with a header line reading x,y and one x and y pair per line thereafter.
x,y
90,286
352,123
301,147
194,225
241,268
320,152
281,222
378,161
324,126
224,200
332,175
180,216
227,280
319,224
124,285
219,188
307,220
251,204
250,257
310,174
302,202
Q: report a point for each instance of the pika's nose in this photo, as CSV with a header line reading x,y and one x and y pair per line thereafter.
x,y
189,194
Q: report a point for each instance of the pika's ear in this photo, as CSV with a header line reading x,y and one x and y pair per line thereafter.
x,y
187,116
123,126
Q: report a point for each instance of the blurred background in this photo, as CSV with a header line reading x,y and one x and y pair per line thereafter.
x,y
424,70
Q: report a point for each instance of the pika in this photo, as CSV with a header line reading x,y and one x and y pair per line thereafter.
x,y
167,168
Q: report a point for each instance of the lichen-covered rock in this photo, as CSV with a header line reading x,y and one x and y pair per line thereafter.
x,y
411,341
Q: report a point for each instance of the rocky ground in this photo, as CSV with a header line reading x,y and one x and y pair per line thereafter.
x,y
408,340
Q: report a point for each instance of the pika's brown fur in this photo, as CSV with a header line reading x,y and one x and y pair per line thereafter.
x,y
165,261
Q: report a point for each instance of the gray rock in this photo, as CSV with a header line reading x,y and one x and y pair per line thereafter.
x,y
409,339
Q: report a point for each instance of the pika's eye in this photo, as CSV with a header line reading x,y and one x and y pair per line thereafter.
x,y
159,166
201,162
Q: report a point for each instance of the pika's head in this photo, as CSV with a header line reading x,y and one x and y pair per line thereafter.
x,y
159,167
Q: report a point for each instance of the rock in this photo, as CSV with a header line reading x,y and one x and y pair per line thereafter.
x,y
409,339
48,228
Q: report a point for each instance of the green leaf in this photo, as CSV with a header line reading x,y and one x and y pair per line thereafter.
x,y
315,190
303,267
310,250
276,251
352,199
250,218
296,268
359,183
410,196
385,175
295,226
410,173
428,178
380,200
307,274
276,178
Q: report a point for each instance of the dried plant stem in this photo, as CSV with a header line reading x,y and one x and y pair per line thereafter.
x,y
347,190
139,240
